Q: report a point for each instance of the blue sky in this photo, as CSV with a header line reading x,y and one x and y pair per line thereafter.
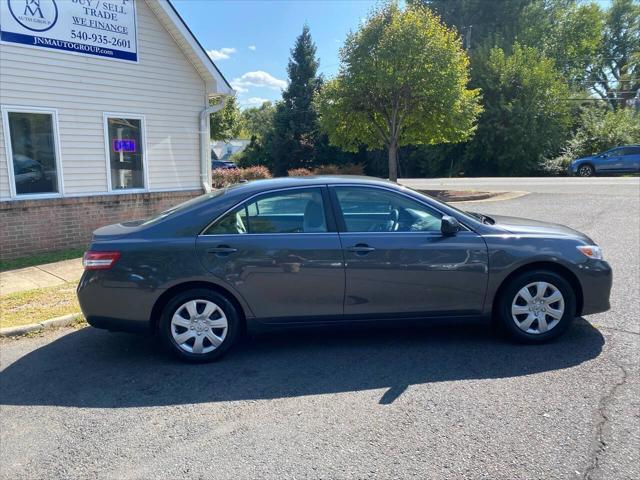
x,y
250,39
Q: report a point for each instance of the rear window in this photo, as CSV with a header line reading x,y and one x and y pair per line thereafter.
x,y
183,206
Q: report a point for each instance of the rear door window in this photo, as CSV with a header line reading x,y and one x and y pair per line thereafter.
x,y
296,211
291,211
631,151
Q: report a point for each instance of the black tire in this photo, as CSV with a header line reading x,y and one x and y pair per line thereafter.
x,y
508,294
232,330
586,170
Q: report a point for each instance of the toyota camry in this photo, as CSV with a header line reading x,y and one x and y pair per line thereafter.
x,y
321,250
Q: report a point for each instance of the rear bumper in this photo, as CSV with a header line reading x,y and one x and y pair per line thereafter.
x,y
596,279
119,324
117,307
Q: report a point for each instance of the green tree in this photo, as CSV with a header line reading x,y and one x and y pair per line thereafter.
x,y
567,31
402,81
526,113
616,71
295,124
257,121
481,22
226,124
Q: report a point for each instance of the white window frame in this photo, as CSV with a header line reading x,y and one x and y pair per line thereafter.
x,y
107,149
6,109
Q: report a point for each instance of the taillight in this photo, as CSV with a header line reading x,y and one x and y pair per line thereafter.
x,y
99,260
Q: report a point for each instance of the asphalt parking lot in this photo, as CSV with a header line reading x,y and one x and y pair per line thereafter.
x,y
421,401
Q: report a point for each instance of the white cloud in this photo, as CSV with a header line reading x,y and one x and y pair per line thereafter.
x,y
252,48
253,102
258,78
221,54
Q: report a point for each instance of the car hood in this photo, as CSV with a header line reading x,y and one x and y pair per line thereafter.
x,y
527,226
582,159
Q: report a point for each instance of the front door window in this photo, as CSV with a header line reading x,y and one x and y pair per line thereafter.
x,y
375,210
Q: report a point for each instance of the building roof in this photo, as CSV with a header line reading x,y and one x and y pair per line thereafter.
x,y
215,82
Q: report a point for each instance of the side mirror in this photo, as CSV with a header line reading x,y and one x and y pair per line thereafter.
x,y
450,225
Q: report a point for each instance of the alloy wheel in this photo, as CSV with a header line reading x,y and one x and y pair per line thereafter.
x,y
199,326
537,307
585,171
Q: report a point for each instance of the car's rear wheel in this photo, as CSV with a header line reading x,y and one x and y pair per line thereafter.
x,y
199,325
537,306
586,170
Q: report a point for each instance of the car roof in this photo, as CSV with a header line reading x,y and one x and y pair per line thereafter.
x,y
255,186
194,217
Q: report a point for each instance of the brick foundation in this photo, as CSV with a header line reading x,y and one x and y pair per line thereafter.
x,y
34,226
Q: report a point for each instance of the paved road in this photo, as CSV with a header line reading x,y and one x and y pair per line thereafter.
x,y
627,186
436,401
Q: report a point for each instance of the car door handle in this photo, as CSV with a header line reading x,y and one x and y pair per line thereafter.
x,y
361,249
222,250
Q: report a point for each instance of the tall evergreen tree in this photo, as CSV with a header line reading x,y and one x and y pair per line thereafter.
x,y
296,122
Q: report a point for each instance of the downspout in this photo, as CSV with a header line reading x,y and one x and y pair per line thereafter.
x,y
205,143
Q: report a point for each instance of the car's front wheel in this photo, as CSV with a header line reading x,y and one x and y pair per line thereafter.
x,y
199,325
537,306
586,170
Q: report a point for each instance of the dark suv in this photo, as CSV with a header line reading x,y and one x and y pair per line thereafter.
x,y
221,164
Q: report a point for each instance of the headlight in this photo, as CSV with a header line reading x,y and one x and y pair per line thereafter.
x,y
591,251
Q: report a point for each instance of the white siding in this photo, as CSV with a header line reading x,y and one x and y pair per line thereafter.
x,y
163,86
4,173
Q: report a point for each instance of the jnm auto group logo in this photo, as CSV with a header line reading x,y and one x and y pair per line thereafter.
x,y
34,15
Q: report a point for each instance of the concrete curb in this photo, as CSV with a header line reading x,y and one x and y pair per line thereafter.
x,y
55,322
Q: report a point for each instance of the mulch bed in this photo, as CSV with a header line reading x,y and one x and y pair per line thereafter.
x,y
460,195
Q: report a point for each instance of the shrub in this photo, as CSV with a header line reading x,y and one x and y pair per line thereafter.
x,y
225,177
255,173
348,169
299,172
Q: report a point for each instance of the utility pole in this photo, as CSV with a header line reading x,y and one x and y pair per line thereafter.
x,y
467,39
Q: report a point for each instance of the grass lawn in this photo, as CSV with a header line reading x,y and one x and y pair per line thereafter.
x,y
33,306
40,258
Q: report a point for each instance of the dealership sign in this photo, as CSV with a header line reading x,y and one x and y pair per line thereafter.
x,y
103,28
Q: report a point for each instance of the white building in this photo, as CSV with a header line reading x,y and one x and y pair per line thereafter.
x,y
104,117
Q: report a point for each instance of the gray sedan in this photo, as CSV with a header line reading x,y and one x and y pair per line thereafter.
x,y
327,250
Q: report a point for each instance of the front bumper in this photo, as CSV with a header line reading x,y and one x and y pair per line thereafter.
x,y
596,278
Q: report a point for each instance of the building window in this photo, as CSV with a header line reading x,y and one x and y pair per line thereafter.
x,y
125,147
32,152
